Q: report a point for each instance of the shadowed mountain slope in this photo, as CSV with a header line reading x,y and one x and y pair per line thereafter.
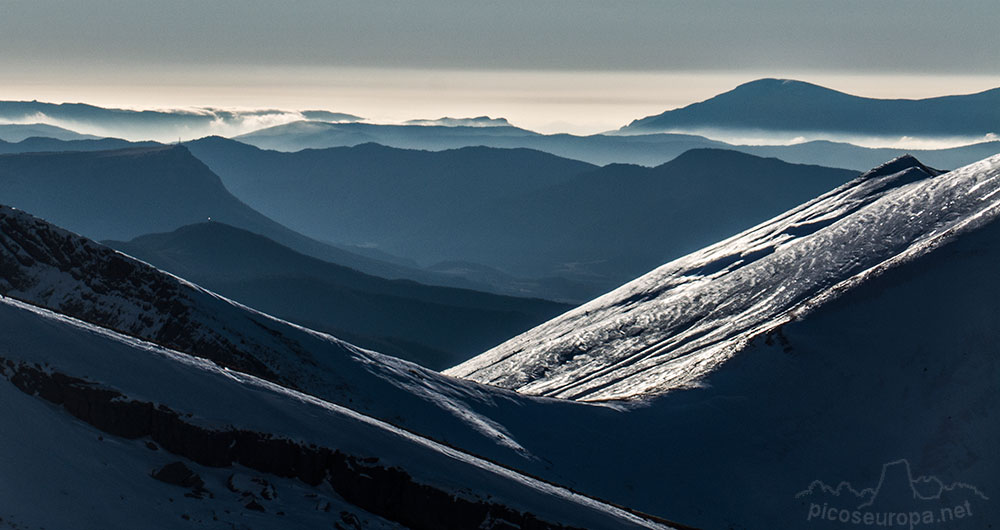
x,y
122,194
526,213
436,327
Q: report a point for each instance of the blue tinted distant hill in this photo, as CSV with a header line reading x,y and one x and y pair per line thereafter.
x,y
152,124
526,213
788,105
15,132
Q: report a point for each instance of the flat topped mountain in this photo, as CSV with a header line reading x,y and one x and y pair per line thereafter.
x,y
796,106
671,327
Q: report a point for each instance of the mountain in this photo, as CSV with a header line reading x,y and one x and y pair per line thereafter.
x,y
597,149
840,154
300,135
849,332
669,327
37,144
57,270
526,213
15,132
52,268
616,222
794,106
369,196
895,363
643,149
115,432
122,194
479,121
161,125
436,327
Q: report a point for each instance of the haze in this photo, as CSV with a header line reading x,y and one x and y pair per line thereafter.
x,y
553,66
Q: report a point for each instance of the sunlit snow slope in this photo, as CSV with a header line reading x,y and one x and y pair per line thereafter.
x,y
671,327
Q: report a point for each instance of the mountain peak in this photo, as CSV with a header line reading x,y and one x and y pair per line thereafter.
x,y
771,84
670,328
901,163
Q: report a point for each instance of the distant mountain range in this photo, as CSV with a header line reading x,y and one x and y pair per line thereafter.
x,y
14,132
524,212
795,106
634,144
436,327
123,194
650,149
36,144
480,121
154,124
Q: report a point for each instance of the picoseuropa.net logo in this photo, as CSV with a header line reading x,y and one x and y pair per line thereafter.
x,y
898,500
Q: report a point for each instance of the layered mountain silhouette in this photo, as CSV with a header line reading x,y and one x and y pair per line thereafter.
x,y
322,129
789,105
436,327
108,415
526,213
644,149
153,124
15,132
126,193
39,144
479,121
853,330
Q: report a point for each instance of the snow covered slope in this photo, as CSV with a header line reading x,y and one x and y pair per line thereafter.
x,y
671,327
56,269
101,430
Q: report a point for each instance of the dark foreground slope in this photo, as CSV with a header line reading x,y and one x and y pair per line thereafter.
x,y
112,432
55,269
436,327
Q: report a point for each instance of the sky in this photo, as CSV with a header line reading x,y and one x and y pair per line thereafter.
x,y
551,65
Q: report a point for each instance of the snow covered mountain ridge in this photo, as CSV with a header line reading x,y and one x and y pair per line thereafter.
x,y
58,270
671,327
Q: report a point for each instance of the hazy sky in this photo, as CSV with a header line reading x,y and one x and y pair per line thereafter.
x,y
573,64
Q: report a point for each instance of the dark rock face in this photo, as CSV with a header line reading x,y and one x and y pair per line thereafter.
x,y
389,492
178,474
